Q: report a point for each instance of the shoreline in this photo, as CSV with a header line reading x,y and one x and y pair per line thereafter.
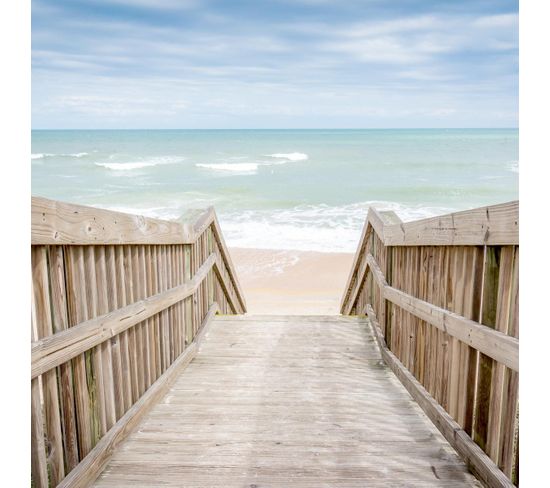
x,y
294,282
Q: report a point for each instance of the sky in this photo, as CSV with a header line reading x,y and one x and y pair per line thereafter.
x,y
127,64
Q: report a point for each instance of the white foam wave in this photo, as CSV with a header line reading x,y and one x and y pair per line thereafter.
x,y
41,155
233,167
321,228
131,165
295,156
311,227
49,155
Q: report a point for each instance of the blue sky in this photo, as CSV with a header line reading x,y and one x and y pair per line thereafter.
x,y
274,64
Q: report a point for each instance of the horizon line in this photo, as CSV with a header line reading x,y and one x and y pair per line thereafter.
x,y
281,128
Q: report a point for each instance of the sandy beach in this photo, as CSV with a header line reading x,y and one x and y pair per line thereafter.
x,y
291,282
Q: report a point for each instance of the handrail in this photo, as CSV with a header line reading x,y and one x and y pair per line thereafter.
x,y
56,349
501,347
54,223
442,296
491,225
119,304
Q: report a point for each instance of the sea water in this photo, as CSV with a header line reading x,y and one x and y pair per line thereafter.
x,y
279,189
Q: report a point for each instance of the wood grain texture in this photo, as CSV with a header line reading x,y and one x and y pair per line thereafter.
x,y
91,465
286,401
54,222
475,458
59,348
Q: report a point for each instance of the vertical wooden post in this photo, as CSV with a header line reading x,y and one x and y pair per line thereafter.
x,y
485,365
106,350
76,299
39,468
60,322
188,302
42,314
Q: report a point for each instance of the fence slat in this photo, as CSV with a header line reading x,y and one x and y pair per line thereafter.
x,y
60,322
76,299
44,328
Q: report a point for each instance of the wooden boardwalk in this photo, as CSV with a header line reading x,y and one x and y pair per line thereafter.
x,y
286,401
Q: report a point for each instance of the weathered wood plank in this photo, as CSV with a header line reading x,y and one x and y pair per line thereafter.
x,y
476,459
90,467
60,322
61,347
44,328
330,423
39,467
492,225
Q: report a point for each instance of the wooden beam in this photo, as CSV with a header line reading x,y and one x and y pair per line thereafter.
x,y
56,349
492,225
54,222
224,252
482,466
367,229
92,465
225,287
501,347
497,345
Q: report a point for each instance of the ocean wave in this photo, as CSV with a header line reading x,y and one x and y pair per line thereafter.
x,y
50,155
513,166
295,156
131,165
320,227
233,167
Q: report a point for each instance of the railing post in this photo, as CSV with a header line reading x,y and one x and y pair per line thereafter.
x,y
188,302
210,281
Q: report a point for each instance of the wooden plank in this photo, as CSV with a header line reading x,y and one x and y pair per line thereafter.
x,y
106,349
228,264
116,342
143,277
188,303
486,363
54,222
500,347
63,346
39,467
328,423
475,458
76,300
60,322
492,225
497,398
90,467
155,288
128,299
44,328
510,422
124,343
95,368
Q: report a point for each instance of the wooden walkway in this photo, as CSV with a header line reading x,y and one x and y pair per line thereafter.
x,y
286,401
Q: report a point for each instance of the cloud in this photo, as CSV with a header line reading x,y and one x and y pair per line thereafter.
x,y
94,62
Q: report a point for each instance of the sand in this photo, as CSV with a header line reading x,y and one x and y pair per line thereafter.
x,y
291,282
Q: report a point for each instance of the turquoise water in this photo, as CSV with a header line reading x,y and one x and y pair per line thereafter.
x,y
294,189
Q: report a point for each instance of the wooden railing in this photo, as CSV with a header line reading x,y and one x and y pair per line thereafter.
x,y
442,296
119,305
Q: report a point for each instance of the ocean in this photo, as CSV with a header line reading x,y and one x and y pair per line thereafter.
x,y
279,189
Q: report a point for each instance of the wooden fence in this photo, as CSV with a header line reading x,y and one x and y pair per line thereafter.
x,y
442,296
119,304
